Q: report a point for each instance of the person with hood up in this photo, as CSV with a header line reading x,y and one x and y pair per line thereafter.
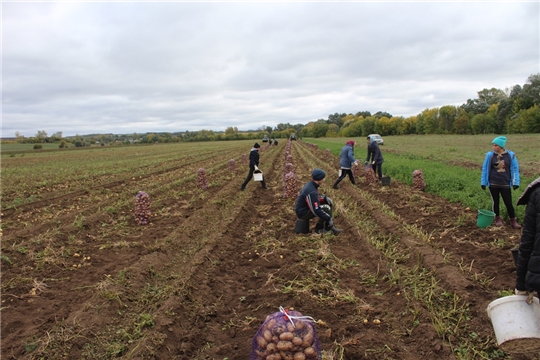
x,y
500,173
346,161
253,165
310,204
528,261
374,152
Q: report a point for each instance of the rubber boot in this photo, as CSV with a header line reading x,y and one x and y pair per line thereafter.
x,y
514,224
498,221
335,230
336,184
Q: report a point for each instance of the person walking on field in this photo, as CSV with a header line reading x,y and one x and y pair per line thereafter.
x,y
253,165
500,173
374,153
310,204
528,261
346,161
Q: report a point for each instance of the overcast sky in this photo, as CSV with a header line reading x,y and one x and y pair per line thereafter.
x,y
125,67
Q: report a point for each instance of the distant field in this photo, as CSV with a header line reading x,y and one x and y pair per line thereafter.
x,y
16,147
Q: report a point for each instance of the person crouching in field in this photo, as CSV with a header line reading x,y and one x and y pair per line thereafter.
x,y
374,157
528,261
253,165
346,162
310,204
500,172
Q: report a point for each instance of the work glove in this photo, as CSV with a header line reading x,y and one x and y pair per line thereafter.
x,y
515,187
329,201
256,167
373,163
483,187
365,163
356,163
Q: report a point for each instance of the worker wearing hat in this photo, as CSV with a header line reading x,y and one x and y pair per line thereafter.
x,y
500,173
253,165
311,204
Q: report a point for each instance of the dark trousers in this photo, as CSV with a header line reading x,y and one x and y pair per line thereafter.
x,y
377,168
344,173
321,224
250,176
506,195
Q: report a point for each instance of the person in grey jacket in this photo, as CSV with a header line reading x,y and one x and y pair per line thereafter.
x,y
346,161
528,261
374,157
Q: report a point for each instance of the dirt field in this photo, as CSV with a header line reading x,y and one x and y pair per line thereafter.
x,y
198,281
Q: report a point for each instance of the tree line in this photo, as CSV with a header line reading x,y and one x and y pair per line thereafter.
x,y
515,110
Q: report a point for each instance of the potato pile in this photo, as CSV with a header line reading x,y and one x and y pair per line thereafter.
x,y
201,179
232,165
142,208
288,336
418,180
356,171
369,175
289,158
291,185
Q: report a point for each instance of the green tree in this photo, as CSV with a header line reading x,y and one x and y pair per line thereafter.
x,y
320,129
447,116
461,124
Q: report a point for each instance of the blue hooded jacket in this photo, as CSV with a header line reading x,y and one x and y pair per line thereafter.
x,y
514,169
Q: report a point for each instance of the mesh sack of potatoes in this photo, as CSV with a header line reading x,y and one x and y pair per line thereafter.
x,y
286,335
369,175
418,180
142,208
291,185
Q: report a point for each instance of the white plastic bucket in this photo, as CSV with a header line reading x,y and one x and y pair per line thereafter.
x,y
339,173
258,176
516,323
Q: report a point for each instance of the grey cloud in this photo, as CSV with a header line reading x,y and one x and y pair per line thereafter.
x,y
138,67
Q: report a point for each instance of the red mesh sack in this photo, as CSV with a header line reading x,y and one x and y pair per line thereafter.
x,y
286,335
369,175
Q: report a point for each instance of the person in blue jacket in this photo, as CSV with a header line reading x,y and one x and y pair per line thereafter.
x,y
309,204
253,165
500,173
346,161
528,261
374,157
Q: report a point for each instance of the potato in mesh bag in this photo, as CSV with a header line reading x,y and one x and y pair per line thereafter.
x,y
286,335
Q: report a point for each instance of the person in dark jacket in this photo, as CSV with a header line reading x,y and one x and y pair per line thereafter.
x,y
500,172
346,161
528,261
310,204
253,165
374,157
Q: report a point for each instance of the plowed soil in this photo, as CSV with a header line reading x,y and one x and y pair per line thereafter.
x,y
199,280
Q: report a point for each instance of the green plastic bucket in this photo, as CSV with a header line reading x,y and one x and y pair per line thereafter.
x,y
485,218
